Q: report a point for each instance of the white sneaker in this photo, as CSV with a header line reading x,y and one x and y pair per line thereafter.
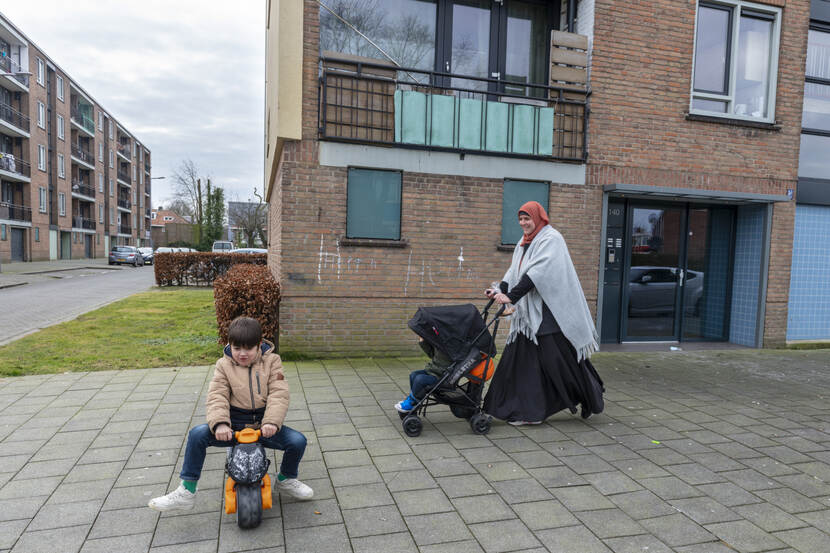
x,y
179,498
295,488
523,423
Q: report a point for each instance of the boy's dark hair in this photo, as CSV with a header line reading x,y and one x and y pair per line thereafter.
x,y
245,332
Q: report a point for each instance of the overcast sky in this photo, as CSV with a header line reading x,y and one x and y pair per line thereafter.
x,y
186,77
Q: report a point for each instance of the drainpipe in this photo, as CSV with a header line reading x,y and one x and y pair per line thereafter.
x,y
571,15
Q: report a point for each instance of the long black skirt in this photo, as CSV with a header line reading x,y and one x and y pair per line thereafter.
x,y
533,382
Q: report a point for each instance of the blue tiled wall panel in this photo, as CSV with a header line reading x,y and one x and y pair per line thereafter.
x,y
746,279
809,307
716,284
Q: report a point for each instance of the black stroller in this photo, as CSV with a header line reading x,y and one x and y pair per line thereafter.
x,y
462,333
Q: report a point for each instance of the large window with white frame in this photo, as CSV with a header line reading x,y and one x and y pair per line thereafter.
x,y
61,204
61,131
41,115
59,82
42,199
61,167
41,72
736,60
41,157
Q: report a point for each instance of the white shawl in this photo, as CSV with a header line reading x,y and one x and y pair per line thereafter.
x,y
548,264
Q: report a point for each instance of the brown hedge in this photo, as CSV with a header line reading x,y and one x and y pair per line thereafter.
x,y
199,268
248,290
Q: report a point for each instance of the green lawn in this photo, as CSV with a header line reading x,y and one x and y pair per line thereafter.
x,y
160,328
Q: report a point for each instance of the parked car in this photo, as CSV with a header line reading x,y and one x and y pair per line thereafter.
x,y
125,254
147,254
652,291
222,246
164,249
249,250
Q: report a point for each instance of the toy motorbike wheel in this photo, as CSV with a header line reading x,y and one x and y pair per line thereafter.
x,y
248,505
412,425
480,423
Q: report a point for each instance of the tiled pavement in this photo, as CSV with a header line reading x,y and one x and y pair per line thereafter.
x,y
697,452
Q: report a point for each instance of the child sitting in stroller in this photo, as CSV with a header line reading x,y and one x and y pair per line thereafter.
x,y
423,380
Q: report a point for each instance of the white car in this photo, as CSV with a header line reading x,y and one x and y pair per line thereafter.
x,y
222,246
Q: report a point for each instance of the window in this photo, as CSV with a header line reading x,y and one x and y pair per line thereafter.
x,y
112,215
168,218
60,127
110,126
100,151
112,188
41,115
37,234
112,160
41,157
100,121
515,194
815,120
119,217
41,199
61,169
61,204
2,232
373,201
41,72
133,197
133,172
736,60
60,88
101,214
101,183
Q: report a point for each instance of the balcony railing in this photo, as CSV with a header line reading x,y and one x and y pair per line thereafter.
x,y
147,189
9,66
14,165
14,212
83,118
83,223
14,117
146,166
147,212
125,229
123,149
124,176
83,188
126,204
377,103
84,155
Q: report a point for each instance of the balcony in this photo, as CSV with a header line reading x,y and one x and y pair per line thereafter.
x,y
9,66
147,166
84,156
81,188
14,168
124,176
82,118
125,229
377,103
147,213
15,123
12,212
147,188
81,222
123,150
124,203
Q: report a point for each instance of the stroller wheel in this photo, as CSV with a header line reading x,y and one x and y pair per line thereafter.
x,y
412,425
462,412
480,423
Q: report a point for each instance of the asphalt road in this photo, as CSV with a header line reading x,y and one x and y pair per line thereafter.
x,y
56,297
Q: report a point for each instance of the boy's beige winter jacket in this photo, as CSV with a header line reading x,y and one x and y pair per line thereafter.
x,y
248,390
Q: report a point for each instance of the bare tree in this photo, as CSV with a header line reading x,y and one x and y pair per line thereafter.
x,y
187,188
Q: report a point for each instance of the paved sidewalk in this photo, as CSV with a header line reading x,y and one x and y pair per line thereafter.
x,y
697,452
20,273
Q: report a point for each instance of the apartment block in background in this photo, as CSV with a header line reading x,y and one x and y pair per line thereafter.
x,y
73,181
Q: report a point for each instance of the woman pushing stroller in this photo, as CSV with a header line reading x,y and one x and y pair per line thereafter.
x,y
545,365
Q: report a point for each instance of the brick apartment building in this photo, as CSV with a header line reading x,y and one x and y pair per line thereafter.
x,y
662,136
73,180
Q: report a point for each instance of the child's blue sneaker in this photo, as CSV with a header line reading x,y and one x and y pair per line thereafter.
x,y
406,405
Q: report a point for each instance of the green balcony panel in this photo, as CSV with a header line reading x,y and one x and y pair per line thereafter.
x,y
496,127
544,143
469,124
442,120
410,117
523,127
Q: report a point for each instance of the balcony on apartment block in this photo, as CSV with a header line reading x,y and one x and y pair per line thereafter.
x,y
147,213
14,168
146,164
81,115
124,177
124,203
15,212
125,229
13,122
18,81
82,155
83,190
123,150
370,101
82,222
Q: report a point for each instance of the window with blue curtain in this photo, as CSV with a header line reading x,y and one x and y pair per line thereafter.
x,y
373,200
515,194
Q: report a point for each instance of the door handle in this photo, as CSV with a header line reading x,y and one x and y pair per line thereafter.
x,y
681,277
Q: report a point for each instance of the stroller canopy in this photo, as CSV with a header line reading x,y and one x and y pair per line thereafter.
x,y
452,329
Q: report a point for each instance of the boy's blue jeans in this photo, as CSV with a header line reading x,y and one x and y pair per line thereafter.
x,y
200,437
420,382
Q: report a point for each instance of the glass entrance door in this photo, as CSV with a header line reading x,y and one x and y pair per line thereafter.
x,y
656,241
